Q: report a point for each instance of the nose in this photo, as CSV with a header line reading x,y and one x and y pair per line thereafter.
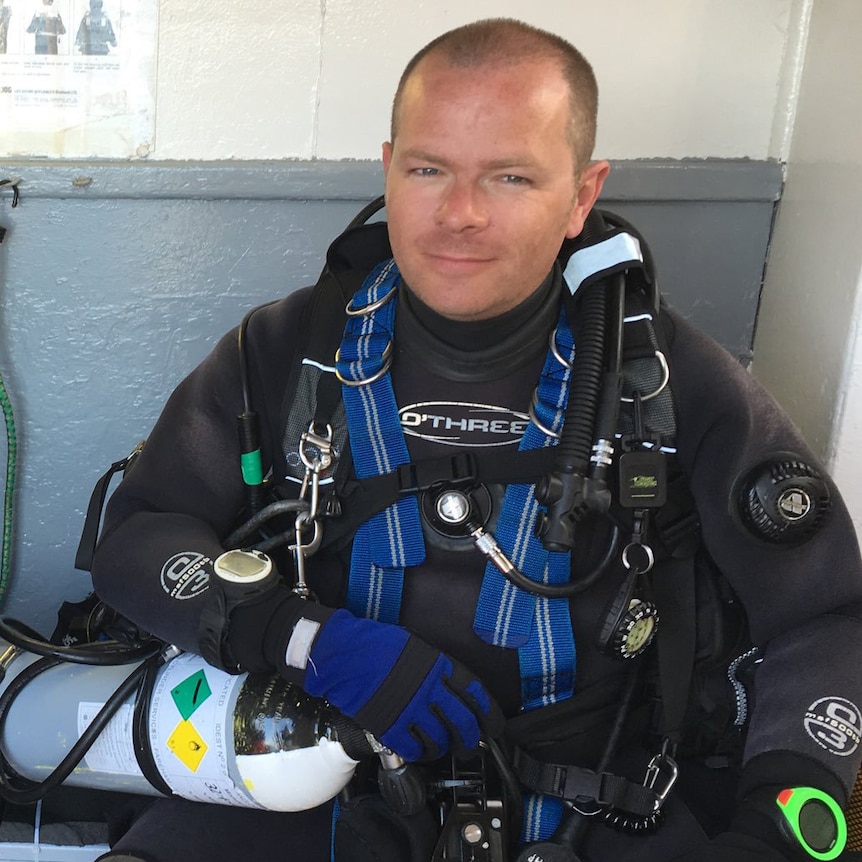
x,y
462,208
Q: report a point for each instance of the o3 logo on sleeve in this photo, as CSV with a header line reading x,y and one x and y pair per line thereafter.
x,y
186,575
835,724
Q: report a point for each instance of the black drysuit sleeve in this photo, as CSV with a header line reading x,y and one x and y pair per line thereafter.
x,y
803,602
165,523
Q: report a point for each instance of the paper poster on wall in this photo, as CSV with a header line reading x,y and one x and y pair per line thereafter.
x,y
77,78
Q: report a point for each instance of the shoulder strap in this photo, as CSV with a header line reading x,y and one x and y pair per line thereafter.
x,y
93,518
348,260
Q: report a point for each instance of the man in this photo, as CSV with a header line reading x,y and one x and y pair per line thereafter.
x,y
488,176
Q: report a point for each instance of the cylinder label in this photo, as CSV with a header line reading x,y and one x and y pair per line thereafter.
x,y
113,750
191,731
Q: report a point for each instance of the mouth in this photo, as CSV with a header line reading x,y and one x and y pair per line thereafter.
x,y
457,262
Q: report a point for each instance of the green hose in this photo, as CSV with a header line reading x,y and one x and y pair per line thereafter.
x,y
11,463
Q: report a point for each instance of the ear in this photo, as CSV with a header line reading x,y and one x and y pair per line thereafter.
x,y
590,184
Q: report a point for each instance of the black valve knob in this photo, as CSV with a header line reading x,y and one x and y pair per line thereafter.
x,y
784,501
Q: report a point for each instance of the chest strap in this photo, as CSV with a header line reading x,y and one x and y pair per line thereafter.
x,y
574,783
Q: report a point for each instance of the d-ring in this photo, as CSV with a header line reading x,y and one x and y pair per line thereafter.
x,y
555,350
386,359
629,564
665,379
372,306
535,419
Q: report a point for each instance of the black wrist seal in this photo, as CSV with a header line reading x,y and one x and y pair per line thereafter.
x,y
239,577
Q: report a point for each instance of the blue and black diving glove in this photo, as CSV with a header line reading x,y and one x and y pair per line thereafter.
x,y
417,701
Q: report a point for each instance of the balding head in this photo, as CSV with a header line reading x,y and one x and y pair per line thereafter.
x,y
500,42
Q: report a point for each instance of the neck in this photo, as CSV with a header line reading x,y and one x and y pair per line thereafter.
x,y
478,349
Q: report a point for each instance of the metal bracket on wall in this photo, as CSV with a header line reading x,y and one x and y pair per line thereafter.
x,y
11,182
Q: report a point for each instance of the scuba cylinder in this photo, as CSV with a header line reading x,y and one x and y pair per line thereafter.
x,y
174,725
189,730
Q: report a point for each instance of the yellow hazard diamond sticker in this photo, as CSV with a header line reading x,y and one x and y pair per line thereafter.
x,y
186,743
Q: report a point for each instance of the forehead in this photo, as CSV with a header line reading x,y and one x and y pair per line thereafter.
x,y
486,106
534,82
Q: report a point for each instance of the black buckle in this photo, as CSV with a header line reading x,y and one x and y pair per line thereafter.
x,y
458,469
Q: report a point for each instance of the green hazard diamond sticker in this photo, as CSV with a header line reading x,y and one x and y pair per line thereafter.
x,y
191,693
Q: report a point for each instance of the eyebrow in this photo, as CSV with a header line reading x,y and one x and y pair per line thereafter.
x,y
516,161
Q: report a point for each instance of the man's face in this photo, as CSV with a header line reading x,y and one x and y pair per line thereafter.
x,y
480,184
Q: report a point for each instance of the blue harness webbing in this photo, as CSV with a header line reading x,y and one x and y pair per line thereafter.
x,y
542,815
507,616
392,539
388,542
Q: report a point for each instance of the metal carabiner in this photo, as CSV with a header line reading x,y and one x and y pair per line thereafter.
x,y
322,443
301,550
661,764
303,520
314,464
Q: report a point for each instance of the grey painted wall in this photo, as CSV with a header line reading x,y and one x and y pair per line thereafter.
x,y
116,280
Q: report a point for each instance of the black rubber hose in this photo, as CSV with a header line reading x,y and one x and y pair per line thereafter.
x,y
256,521
99,652
511,788
589,330
367,211
576,441
573,827
566,492
21,791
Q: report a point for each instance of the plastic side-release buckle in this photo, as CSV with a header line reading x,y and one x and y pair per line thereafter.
x,y
456,469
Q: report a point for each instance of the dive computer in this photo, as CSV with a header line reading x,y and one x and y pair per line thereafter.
x,y
239,576
812,820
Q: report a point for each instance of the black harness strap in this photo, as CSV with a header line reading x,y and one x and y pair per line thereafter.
x,y
674,593
361,498
573,783
93,518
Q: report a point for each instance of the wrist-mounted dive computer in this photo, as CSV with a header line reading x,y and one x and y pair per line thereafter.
x,y
811,820
239,577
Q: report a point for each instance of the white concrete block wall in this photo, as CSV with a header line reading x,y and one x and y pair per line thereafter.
x,y
808,351
314,78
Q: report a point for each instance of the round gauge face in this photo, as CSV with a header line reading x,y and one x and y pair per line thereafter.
x,y
637,628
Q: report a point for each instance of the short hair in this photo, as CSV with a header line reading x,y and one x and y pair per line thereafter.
x,y
505,42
